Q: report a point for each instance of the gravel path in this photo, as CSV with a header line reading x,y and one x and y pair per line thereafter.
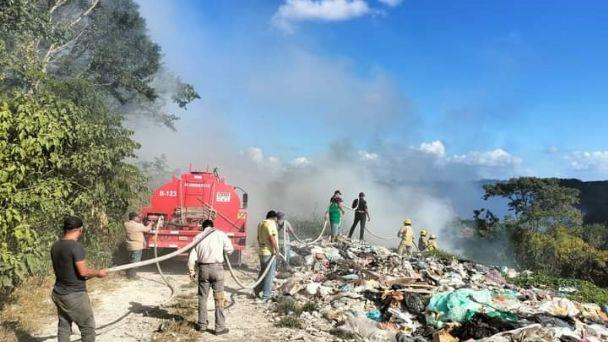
x,y
132,311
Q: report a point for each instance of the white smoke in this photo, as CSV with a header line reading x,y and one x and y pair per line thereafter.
x,y
327,98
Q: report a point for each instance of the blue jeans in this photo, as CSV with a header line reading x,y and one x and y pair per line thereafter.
x,y
134,256
285,250
335,229
266,284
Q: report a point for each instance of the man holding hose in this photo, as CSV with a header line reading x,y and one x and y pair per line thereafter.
x,y
268,247
208,256
70,290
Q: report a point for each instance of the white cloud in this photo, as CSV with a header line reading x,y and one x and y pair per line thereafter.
x,y
494,158
435,148
300,162
293,11
391,3
368,156
596,160
255,154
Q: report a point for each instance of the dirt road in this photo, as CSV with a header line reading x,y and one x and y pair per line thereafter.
x,y
132,310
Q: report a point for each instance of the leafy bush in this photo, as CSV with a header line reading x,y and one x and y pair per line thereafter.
x,y
586,291
288,306
59,158
560,252
595,235
292,322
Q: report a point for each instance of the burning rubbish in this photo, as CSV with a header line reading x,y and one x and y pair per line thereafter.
x,y
357,291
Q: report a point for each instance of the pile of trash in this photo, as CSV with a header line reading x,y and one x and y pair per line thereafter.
x,y
367,292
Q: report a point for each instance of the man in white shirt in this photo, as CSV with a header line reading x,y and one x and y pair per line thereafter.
x,y
208,257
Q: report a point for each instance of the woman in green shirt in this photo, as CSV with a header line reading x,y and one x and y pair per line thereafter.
x,y
334,214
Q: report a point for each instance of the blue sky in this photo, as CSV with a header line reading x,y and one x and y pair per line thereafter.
x,y
505,87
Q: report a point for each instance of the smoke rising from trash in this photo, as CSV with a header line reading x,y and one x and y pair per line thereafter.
x,y
302,187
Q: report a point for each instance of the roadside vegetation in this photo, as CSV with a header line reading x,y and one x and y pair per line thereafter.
x,y
71,74
578,290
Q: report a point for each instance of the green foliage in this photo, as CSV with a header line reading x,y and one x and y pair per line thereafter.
x,y
58,158
310,306
440,254
560,252
586,291
288,306
70,73
595,235
102,42
538,203
292,322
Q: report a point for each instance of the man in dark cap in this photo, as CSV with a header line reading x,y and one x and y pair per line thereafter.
x,y
70,290
361,215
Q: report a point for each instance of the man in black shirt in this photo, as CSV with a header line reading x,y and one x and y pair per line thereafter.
x,y
70,291
361,215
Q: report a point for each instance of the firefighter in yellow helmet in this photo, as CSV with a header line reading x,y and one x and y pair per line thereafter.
x,y
407,238
432,246
422,241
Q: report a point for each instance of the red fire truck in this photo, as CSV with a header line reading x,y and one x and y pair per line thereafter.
x,y
195,196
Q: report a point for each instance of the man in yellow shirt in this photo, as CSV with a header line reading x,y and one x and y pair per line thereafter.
x,y
135,240
268,247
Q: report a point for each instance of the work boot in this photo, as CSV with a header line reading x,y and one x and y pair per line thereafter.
x,y
221,332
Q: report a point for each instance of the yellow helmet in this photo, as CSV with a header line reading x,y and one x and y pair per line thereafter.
x,y
433,237
407,222
423,232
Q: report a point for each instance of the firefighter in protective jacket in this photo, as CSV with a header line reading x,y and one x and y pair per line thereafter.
x,y
432,245
407,238
423,243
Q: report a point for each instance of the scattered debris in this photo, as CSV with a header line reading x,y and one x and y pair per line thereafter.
x,y
351,290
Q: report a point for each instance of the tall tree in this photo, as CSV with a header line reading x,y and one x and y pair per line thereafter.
x,y
71,71
537,203
104,42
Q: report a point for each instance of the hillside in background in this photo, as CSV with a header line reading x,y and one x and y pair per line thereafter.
x,y
468,196
594,199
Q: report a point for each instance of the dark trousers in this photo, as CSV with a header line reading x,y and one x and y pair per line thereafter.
x,y
211,276
74,307
359,218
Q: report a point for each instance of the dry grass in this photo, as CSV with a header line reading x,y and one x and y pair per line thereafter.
x,y
178,322
24,308
30,306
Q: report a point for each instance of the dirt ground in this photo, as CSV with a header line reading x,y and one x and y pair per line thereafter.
x,y
133,311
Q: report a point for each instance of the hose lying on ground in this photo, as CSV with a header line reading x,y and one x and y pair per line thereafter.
x,y
250,287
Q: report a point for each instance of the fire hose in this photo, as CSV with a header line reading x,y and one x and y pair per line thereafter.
x,y
378,236
160,271
315,240
184,249
249,287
